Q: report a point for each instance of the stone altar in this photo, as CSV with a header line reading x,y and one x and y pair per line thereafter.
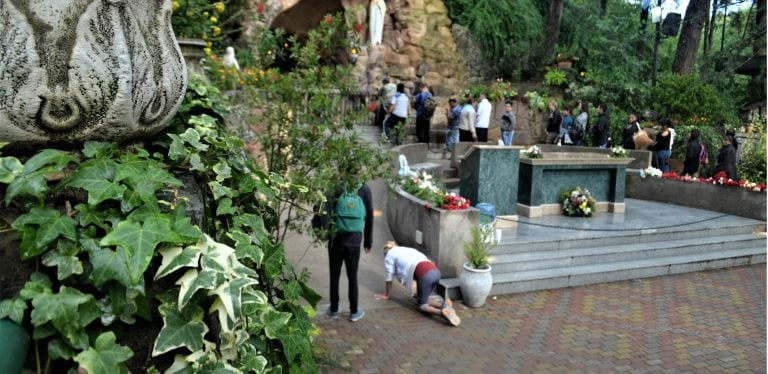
x,y
75,70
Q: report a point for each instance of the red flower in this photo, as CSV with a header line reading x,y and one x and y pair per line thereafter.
x,y
358,27
328,20
427,206
260,8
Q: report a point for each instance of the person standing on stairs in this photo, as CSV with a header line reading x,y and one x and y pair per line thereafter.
x,y
484,110
398,112
467,132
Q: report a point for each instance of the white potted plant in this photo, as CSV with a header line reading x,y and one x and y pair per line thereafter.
x,y
476,281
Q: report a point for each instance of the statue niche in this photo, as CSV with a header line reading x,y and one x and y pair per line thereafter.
x,y
76,70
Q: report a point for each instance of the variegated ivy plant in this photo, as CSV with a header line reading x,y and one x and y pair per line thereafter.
x,y
95,221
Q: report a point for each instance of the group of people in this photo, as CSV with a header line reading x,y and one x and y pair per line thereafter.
x,y
564,129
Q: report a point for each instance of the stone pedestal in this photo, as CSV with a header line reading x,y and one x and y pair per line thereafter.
x,y
543,179
489,175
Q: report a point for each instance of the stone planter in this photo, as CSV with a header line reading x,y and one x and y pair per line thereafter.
x,y
712,197
193,51
439,234
475,285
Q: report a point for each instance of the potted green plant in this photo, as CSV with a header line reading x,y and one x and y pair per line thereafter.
x,y
476,281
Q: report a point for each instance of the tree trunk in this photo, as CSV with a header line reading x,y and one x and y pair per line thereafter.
x,y
553,28
710,29
688,44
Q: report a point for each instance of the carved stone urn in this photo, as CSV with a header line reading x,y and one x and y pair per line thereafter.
x,y
76,70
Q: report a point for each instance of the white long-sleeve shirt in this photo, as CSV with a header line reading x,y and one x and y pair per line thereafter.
x,y
484,110
401,262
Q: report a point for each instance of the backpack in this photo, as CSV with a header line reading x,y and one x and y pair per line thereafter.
x,y
703,155
428,110
350,213
576,131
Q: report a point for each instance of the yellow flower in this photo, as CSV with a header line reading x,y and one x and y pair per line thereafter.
x,y
214,19
219,7
354,51
216,31
175,5
206,14
207,51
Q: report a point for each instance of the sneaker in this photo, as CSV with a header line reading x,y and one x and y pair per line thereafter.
x,y
354,317
450,314
331,314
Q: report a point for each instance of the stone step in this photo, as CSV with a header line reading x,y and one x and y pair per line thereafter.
x,y
561,277
450,173
542,279
526,261
584,239
452,184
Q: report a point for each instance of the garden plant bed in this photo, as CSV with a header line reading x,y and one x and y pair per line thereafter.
x,y
712,197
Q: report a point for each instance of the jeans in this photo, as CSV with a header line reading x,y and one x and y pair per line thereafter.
x,y
350,257
451,138
507,137
662,159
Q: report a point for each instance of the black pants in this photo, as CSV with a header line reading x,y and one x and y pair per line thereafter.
x,y
350,257
422,129
482,134
465,136
392,123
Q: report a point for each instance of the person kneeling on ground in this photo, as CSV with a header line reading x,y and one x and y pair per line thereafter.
x,y
410,265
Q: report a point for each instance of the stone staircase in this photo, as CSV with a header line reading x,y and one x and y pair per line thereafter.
x,y
531,264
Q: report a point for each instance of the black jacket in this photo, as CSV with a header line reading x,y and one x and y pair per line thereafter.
x,y
555,119
726,161
602,129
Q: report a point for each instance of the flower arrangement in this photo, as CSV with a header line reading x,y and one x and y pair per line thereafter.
x,y
422,187
577,201
618,152
533,152
721,179
651,172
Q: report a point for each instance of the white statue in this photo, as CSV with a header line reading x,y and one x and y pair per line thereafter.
x,y
405,170
229,59
377,11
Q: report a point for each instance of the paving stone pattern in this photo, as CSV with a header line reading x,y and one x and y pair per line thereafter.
x,y
706,322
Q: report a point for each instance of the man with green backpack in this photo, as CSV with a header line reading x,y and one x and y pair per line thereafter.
x,y
349,221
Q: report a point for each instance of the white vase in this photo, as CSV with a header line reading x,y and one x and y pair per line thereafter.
x,y
475,285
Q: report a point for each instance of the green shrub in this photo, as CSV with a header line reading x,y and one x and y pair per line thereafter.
x,y
555,77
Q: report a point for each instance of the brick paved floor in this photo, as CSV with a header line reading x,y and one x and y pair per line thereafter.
x,y
712,321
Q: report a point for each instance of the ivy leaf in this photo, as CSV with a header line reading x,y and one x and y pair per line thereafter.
x,y
13,309
250,359
51,225
219,190
37,284
252,221
58,159
192,137
225,207
292,290
309,294
229,293
175,258
57,348
274,322
32,184
244,247
105,357
196,163
180,329
192,281
145,177
274,254
139,242
97,180
222,170
295,344
10,168
94,149
66,264
183,226
107,264
62,310
177,151
87,215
